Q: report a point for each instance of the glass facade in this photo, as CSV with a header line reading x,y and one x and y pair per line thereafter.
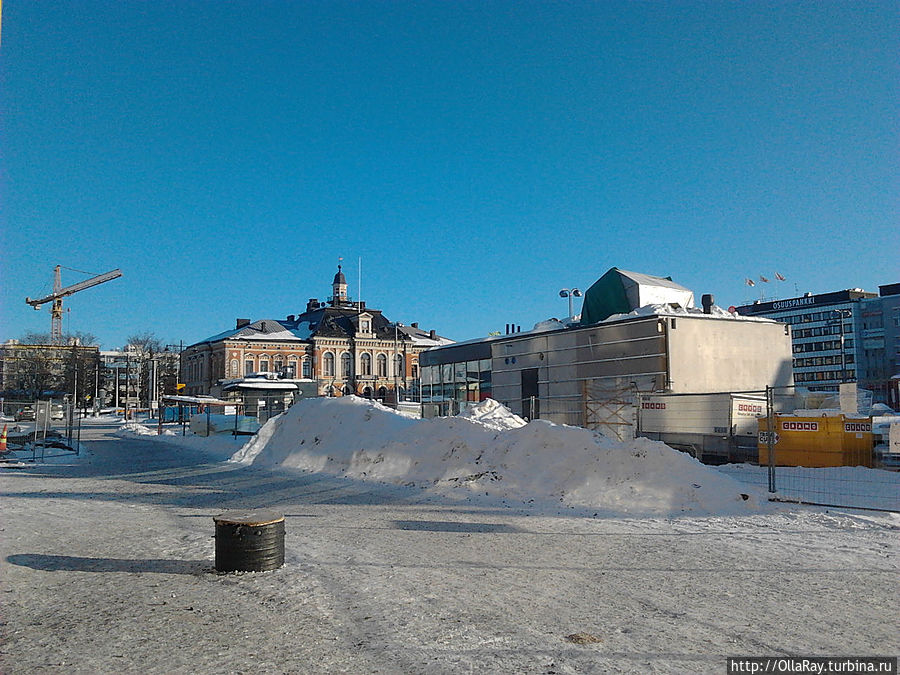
x,y
451,387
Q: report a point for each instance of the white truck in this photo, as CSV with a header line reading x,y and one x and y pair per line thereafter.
x,y
715,428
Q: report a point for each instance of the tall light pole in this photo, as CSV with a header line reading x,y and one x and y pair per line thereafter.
x,y
566,293
841,315
395,366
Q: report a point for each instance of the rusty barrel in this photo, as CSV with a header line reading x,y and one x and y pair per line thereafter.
x,y
249,541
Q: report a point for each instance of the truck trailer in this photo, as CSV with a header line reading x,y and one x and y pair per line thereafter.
x,y
715,428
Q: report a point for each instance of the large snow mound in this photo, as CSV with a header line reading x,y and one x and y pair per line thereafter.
x,y
539,462
493,415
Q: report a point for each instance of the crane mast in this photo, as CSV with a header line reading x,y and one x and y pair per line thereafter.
x,y
59,293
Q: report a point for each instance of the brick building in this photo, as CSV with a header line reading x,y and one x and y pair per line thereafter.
x,y
345,347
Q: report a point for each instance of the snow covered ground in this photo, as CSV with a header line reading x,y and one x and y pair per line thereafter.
x,y
398,562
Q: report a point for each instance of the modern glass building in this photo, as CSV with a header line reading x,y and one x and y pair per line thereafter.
x,y
455,377
840,337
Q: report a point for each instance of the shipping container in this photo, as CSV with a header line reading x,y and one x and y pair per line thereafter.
x,y
715,428
828,440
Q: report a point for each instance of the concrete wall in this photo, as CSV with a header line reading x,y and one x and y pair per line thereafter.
x,y
715,355
608,356
694,354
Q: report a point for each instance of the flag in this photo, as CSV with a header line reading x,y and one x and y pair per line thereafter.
x,y
763,279
749,282
779,277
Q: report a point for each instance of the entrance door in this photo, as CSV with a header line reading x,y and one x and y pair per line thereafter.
x,y
530,402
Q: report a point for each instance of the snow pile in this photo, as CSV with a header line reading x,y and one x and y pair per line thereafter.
x,y
135,429
538,462
493,415
666,309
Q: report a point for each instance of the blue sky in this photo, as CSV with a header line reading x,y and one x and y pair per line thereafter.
x,y
475,156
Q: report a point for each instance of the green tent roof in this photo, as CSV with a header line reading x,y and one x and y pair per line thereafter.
x,y
620,292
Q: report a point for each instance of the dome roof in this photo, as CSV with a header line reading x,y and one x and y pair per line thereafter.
x,y
339,277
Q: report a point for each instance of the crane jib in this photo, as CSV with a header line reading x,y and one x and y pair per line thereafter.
x,y
74,288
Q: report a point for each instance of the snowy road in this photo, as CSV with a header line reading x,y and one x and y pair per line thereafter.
x,y
106,567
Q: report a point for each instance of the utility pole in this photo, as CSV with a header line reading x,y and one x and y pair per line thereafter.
x,y
395,366
841,314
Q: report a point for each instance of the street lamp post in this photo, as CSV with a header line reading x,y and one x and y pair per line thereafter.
x,y
566,293
395,365
841,315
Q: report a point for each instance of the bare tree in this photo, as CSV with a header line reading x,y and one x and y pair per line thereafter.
x,y
76,337
144,347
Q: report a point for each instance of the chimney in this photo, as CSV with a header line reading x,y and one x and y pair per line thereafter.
x,y
242,322
432,334
414,324
290,318
312,304
707,301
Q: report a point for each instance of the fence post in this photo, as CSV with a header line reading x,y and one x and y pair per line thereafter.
x,y
770,436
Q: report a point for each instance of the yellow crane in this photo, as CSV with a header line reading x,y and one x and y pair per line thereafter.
x,y
56,297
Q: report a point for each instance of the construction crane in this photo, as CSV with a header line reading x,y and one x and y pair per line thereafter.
x,y
59,293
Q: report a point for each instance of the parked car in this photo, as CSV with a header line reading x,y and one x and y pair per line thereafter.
x,y
26,413
57,412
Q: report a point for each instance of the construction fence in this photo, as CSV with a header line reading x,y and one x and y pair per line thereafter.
x,y
824,448
37,430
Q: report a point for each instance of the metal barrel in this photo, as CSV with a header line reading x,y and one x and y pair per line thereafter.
x,y
249,541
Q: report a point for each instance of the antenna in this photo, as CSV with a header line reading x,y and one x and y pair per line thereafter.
x,y
359,284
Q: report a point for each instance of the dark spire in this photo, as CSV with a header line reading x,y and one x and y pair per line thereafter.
x,y
339,277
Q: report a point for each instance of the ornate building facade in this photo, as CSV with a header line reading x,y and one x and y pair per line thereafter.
x,y
345,347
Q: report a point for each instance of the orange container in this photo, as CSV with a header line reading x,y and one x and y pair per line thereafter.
x,y
829,440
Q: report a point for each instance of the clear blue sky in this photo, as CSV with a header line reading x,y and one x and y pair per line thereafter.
x,y
477,156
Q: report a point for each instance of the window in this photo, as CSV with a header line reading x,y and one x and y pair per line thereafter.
x,y
414,370
235,367
365,365
398,365
248,367
264,364
382,365
328,364
346,365
307,367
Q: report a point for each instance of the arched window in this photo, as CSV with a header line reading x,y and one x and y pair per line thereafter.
x,y
346,365
398,365
414,370
348,390
365,366
367,392
328,364
382,365
235,367
307,368
382,392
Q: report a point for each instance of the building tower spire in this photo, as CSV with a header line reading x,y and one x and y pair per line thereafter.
x,y
339,289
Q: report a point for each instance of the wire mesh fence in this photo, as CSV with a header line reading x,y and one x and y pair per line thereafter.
x,y
827,448
37,430
831,449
